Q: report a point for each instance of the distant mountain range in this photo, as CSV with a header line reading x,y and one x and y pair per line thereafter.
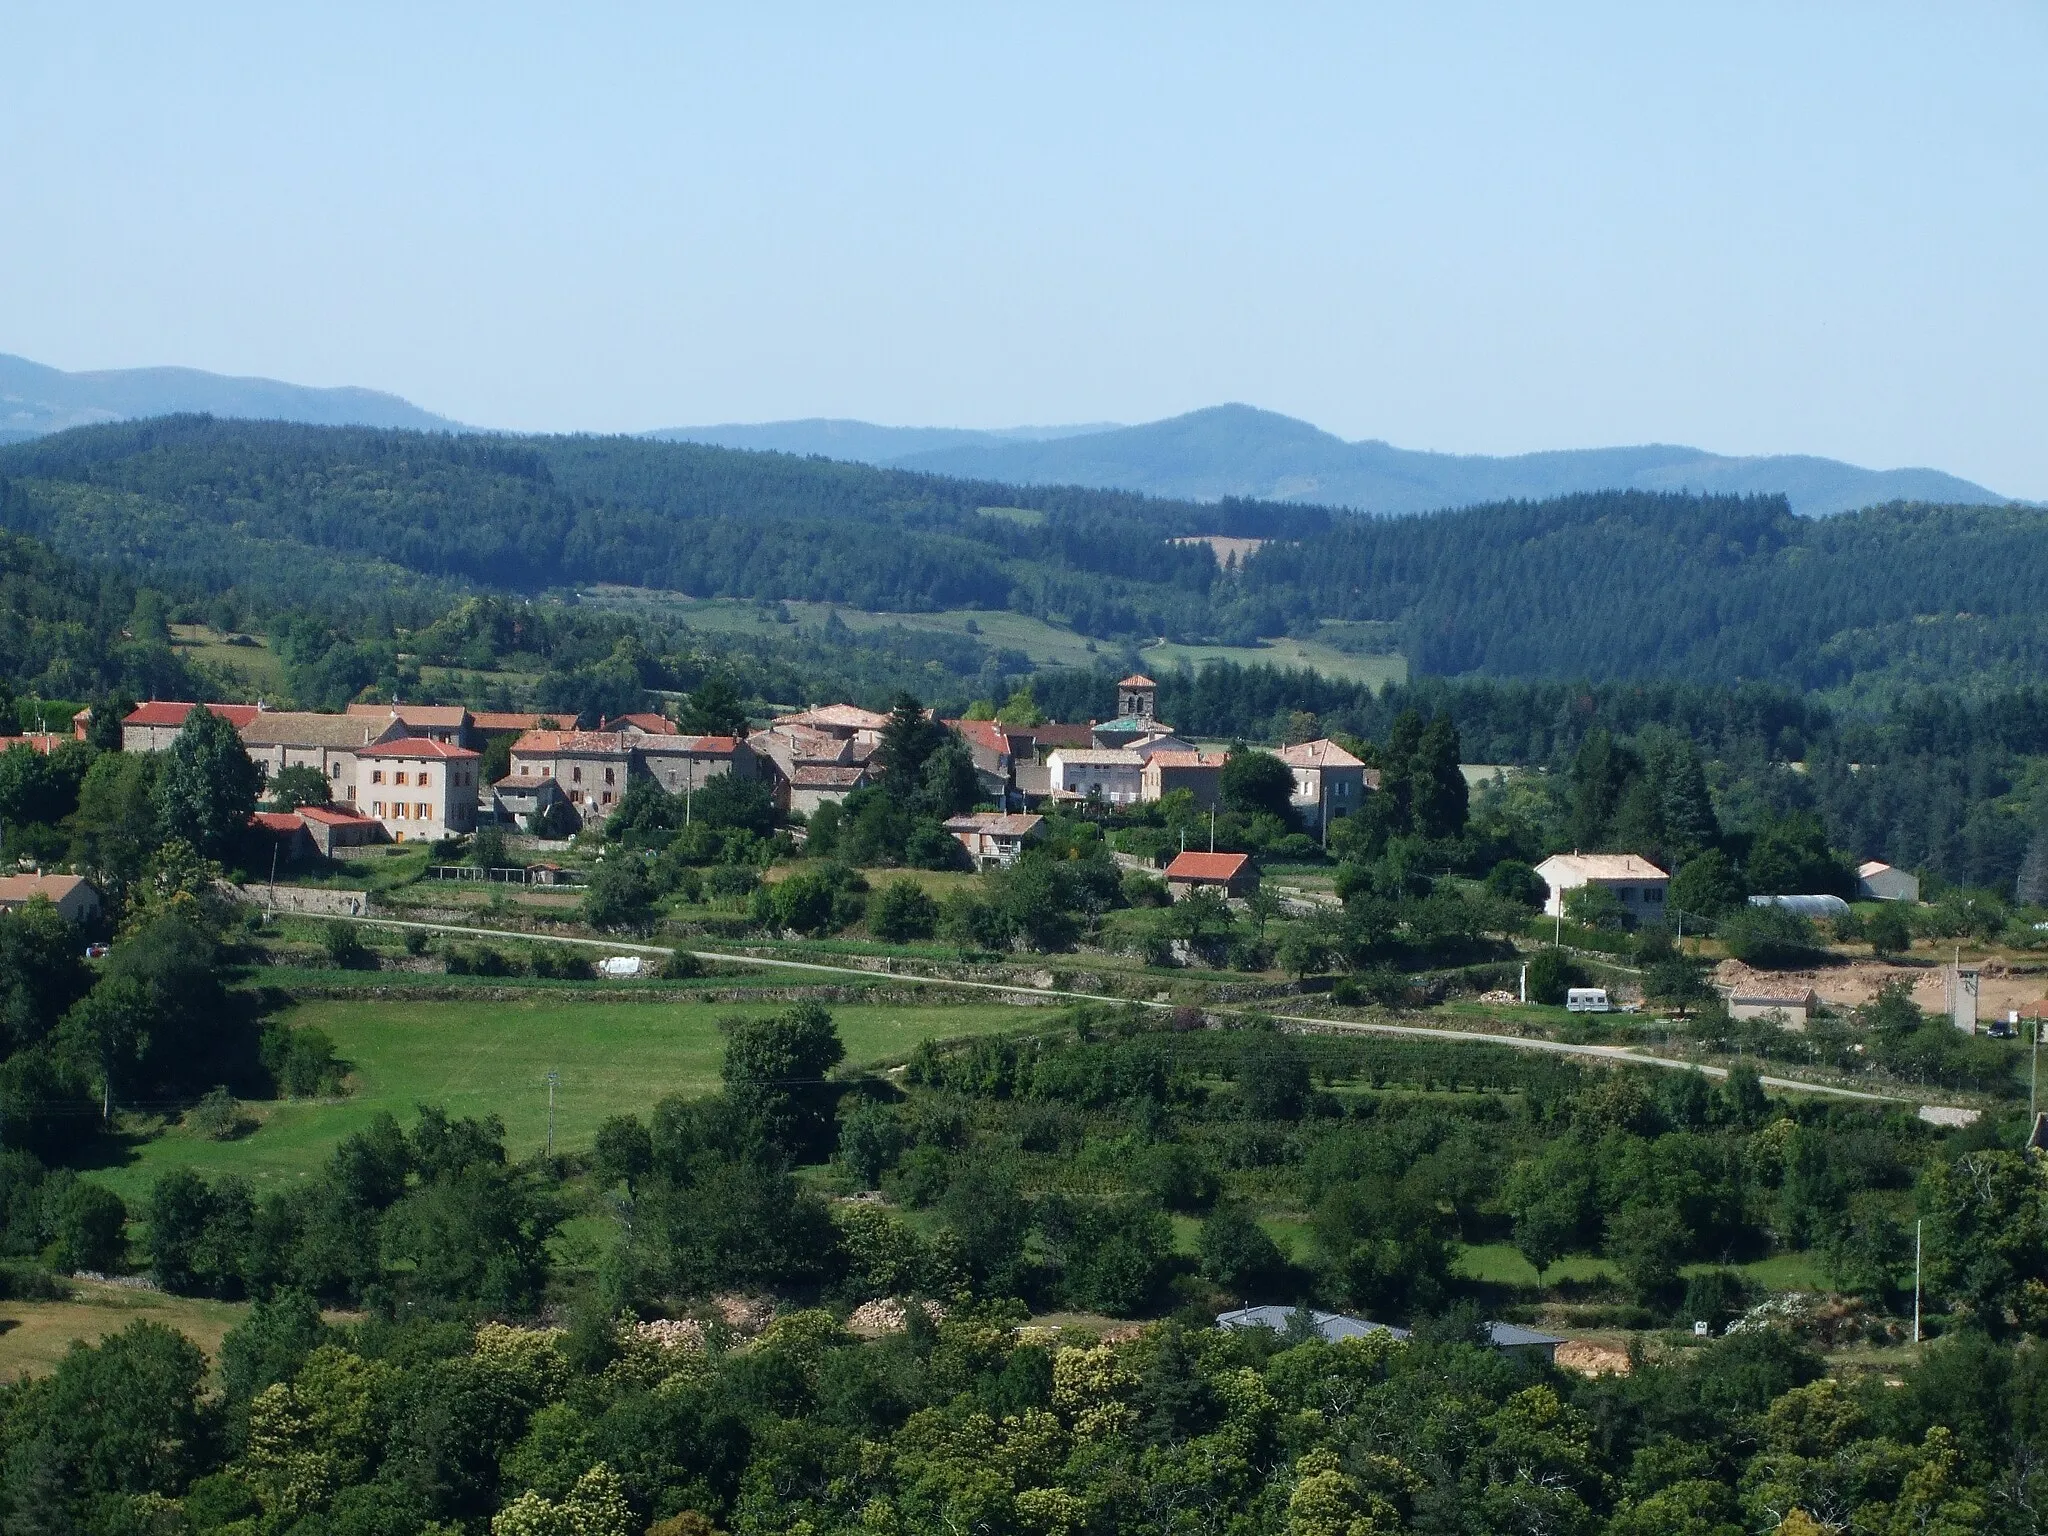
x,y
1224,451
862,442
35,400
1237,450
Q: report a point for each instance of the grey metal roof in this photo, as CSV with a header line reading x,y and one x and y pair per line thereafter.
x,y
1334,1326
1331,1325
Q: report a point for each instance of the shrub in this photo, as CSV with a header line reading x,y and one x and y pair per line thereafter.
x,y
1551,975
302,1062
1769,937
729,881
1888,931
904,911
343,946
89,1223
216,1116
1512,880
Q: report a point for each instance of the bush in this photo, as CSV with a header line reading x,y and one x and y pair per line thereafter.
x,y
1512,880
89,1223
621,897
727,882
216,1116
1551,975
302,1062
1768,937
344,947
1888,931
904,911
558,962
1142,890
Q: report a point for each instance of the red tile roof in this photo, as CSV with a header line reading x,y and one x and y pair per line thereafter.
x,y
172,712
283,823
331,815
652,724
985,734
693,746
573,743
1207,866
507,720
419,747
1137,680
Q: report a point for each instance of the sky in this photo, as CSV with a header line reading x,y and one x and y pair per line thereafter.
x,y
1766,228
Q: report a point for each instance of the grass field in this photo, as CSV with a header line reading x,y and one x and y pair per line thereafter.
x,y
257,665
34,1335
1501,1264
1046,644
493,1058
1284,652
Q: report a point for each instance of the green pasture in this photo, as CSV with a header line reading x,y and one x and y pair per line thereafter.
x,y
1316,655
493,1058
258,666
1500,1264
1046,644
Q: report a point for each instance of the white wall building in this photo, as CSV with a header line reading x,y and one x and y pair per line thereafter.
x,y
418,788
1096,773
1640,885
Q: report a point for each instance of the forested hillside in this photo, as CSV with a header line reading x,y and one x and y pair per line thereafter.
x,y
1602,586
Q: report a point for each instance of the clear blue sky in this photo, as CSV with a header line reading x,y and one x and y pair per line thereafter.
x,y
1756,228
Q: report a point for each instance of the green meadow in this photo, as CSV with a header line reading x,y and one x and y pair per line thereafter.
x,y
494,1057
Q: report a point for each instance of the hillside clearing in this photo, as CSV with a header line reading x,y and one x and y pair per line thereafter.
x,y
493,1058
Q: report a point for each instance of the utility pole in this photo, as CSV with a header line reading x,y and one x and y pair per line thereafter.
x,y
554,1081
2034,1081
1212,829
1916,1282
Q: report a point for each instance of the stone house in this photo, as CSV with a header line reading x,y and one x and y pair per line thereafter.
x,y
277,739
418,788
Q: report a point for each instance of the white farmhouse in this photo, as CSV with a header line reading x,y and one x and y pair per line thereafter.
x,y
1639,884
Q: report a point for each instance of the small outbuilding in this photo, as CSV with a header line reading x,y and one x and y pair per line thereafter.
x,y
1231,873
1878,881
1514,1339
1797,1009
333,826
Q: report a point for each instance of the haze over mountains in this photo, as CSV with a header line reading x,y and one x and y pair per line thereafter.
x,y
35,400
1238,450
1206,455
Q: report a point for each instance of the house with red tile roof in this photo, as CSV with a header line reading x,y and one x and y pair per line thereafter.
x,y
153,726
419,788
1231,873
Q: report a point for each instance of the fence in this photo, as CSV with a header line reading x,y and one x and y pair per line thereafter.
x,y
510,874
